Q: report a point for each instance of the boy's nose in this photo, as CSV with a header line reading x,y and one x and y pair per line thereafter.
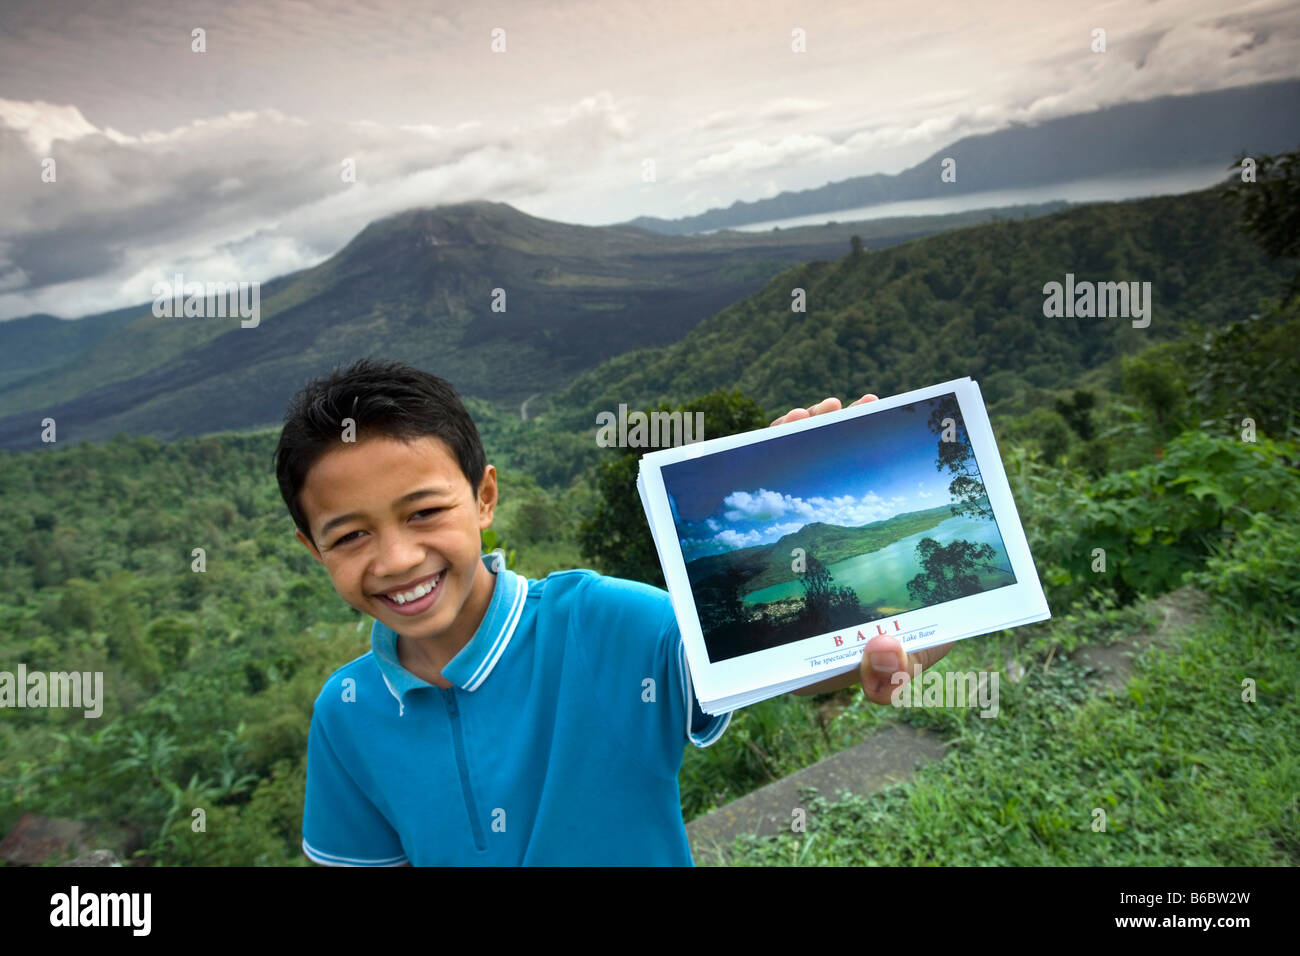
x,y
399,557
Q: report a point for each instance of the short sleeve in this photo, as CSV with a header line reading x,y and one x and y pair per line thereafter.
x,y
701,729
638,665
341,826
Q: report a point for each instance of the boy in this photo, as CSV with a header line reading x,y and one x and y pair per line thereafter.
x,y
496,720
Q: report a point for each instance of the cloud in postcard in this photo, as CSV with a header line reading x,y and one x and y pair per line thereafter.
x,y
763,516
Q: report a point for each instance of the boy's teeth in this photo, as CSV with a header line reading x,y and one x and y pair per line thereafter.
x,y
416,593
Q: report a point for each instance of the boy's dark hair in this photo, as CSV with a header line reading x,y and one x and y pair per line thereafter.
x,y
387,399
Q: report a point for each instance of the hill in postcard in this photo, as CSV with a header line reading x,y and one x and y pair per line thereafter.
x,y
768,565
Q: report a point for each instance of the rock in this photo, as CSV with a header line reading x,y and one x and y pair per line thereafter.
x,y
95,858
35,839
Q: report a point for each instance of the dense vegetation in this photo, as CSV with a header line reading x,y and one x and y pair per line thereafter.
x,y
210,674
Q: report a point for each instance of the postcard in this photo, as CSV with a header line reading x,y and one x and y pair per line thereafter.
x,y
786,549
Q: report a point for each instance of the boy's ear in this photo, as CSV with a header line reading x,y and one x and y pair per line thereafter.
x,y
487,496
307,543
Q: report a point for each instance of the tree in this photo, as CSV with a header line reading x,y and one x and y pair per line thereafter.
x,y
826,606
1270,207
956,455
720,601
1078,413
616,536
816,581
950,572
855,244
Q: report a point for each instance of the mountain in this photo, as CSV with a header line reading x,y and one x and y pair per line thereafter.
x,y
418,286
36,343
1164,134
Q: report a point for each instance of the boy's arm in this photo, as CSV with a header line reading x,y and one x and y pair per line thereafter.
x,y
883,657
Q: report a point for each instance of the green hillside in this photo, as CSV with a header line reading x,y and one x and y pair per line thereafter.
x,y
967,302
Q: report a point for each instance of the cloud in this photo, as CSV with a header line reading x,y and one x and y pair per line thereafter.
x,y
790,107
753,154
760,510
734,539
40,124
242,196
762,505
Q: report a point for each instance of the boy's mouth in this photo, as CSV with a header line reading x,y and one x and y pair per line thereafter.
x,y
415,599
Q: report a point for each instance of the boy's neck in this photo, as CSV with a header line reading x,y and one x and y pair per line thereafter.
x,y
426,657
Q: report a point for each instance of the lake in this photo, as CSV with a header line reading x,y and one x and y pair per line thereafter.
x,y
1107,189
880,577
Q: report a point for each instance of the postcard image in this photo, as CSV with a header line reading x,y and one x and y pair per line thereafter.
x,y
880,521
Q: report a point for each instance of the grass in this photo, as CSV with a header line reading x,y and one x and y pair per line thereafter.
x,y
777,737
1186,772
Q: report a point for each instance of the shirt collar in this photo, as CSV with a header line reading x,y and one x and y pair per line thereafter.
x,y
471,666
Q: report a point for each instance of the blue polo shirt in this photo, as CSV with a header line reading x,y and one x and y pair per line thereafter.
x,y
558,744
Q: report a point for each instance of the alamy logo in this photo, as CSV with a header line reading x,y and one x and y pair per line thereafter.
x,y
56,689
102,909
949,689
656,430
209,300
1086,300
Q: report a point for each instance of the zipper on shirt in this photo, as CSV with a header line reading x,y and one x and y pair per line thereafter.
x,y
453,712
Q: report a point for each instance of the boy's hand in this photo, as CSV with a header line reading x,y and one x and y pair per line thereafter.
x,y
883,656
825,405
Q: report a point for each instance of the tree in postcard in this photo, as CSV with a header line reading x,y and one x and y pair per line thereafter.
x,y
950,572
721,602
826,606
956,455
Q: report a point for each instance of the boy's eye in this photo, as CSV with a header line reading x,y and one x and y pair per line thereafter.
x,y
426,513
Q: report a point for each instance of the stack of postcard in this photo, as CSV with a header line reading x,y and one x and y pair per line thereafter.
x,y
787,549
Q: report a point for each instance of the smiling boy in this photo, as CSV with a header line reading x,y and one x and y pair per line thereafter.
x,y
496,720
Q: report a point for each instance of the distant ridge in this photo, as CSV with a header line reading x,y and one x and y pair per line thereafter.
x,y
1164,134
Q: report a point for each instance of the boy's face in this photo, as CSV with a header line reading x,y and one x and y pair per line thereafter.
x,y
390,518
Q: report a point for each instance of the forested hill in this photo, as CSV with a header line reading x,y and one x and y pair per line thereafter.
x,y
968,302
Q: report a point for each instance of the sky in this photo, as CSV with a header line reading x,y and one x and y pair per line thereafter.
x,y
757,493
227,164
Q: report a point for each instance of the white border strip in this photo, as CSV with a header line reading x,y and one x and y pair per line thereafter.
x,y
717,725
503,637
332,859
